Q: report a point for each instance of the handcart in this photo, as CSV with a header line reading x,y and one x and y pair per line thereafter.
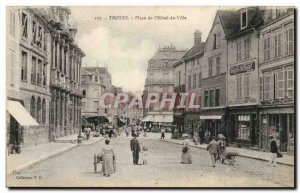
x,y
230,157
98,159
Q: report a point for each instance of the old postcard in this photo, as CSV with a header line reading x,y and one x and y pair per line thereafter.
x,y
150,96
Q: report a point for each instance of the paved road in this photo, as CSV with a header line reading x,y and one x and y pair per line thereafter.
x,y
74,168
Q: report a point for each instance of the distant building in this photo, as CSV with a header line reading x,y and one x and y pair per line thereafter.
x,y
160,79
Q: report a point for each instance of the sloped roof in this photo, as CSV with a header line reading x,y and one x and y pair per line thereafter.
x,y
94,70
196,49
232,24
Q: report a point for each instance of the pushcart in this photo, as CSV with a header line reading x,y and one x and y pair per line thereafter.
x,y
98,159
230,157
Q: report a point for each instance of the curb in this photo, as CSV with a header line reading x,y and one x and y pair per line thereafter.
x,y
241,155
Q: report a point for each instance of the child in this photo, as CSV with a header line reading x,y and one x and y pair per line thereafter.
x,y
144,155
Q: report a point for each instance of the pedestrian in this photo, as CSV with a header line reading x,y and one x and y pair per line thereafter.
x,y
144,155
145,131
274,152
127,131
108,157
186,156
162,133
87,132
207,136
222,146
196,138
213,148
135,149
111,132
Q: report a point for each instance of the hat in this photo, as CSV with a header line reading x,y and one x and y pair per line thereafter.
x,y
185,135
221,136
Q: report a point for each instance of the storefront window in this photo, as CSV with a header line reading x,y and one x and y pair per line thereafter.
x,y
244,127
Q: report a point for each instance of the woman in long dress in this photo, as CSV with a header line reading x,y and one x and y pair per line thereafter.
x,y
108,159
186,156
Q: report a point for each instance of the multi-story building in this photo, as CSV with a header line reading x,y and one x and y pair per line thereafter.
x,y
28,73
193,78
160,80
94,82
242,78
214,74
276,78
65,84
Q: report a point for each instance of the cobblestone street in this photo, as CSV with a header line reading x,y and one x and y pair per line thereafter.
x,y
74,168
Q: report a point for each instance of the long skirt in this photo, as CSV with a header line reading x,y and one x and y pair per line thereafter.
x,y
186,158
107,164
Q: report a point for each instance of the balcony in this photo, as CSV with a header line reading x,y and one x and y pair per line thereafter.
x,y
55,83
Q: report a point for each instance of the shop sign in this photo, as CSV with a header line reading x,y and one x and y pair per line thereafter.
x,y
242,68
242,101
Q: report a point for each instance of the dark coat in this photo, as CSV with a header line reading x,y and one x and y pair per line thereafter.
x,y
273,147
134,145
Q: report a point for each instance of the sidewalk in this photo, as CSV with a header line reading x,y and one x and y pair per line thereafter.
x,y
35,154
248,153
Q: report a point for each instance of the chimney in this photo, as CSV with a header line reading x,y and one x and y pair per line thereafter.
x,y
197,37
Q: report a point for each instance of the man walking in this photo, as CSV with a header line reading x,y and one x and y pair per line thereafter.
x,y
135,149
274,151
214,149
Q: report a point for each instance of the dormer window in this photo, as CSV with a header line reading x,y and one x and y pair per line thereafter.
x,y
244,19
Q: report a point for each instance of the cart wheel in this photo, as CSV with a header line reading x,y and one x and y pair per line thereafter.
x,y
95,163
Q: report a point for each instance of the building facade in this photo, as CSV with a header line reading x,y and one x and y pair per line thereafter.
x,y
214,75
276,78
160,79
28,55
242,79
65,84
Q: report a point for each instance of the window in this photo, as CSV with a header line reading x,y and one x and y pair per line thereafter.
x,y
218,65
290,83
239,86
84,93
194,81
33,71
211,98
39,110
267,85
247,48
289,36
39,73
206,98
210,66
179,76
34,31
199,79
46,43
246,85
189,82
215,41
44,111
244,19
24,66
267,47
32,107
45,74
12,23
261,88
96,78
238,51
279,84
217,98
277,45
24,25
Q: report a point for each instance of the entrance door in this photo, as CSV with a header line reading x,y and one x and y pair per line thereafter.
x,y
254,137
14,134
232,134
283,133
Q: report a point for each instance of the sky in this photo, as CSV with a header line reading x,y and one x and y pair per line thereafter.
x,y
125,46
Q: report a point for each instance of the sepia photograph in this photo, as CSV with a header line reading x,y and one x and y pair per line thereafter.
x,y
150,96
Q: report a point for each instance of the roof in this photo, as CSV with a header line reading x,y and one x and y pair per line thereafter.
x,y
232,24
196,49
94,70
168,54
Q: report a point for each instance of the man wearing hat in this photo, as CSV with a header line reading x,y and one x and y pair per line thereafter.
x,y
274,151
135,149
214,149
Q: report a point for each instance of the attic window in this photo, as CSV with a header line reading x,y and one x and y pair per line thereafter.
x,y
244,19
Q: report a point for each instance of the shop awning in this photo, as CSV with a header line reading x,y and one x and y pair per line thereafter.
x,y
168,118
211,117
16,109
158,119
147,118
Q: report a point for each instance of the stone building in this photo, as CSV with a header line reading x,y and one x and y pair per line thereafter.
x,y
160,79
276,78
193,82
94,81
242,34
214,73
65,84
28,75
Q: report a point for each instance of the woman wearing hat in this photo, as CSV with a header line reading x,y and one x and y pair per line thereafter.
x,y
222,146
186,156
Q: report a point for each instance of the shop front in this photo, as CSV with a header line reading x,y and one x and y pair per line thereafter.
x,y
278,122
243,126
192,123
